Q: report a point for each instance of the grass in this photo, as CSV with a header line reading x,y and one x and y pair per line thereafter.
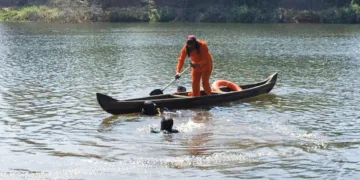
x,y
31,13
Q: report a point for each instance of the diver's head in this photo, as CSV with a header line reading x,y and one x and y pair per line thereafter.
x,y
149,108
166,124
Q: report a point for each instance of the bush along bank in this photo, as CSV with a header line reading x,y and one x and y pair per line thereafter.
x,y
214,14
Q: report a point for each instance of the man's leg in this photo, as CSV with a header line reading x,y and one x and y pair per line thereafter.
x,y
196,77
206,81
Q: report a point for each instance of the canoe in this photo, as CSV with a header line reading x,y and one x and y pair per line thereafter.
x,y
183,101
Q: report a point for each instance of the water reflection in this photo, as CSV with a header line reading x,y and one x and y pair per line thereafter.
x,y
202,117
110,122
197,143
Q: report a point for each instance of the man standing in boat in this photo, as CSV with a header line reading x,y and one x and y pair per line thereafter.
x,y
201,63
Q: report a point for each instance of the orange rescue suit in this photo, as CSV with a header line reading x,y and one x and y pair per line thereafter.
x,y
204,59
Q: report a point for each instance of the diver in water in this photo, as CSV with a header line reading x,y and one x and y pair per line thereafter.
x,y
166,126
149,108
167,123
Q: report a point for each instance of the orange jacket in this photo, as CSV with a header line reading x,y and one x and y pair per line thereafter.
x,y
204,58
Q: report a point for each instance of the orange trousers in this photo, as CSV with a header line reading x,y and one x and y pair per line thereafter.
x,y
203,76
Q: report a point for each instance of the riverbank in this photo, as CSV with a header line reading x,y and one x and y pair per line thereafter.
x,y
214,14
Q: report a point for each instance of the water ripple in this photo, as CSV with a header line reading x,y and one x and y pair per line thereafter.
x,y
53,128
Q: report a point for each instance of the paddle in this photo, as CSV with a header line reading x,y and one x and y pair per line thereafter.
x,y
159,91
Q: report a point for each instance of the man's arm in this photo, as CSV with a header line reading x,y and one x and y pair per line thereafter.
x,y
181,60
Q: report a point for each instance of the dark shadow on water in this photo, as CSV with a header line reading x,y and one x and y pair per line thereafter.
x,y
258,101
271,98
89,156
263,100
26,171
108,123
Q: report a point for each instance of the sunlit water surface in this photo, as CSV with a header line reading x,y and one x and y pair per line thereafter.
x,y
51,126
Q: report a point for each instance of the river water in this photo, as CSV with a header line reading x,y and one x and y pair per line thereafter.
x,y
51,126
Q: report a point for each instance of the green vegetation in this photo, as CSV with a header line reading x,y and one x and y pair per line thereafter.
x,y
349,15
224,11
31,13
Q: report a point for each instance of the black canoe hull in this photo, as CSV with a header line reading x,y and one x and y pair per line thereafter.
x,y
181,101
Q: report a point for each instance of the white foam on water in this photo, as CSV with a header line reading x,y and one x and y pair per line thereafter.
x,y
314,140
146,167
184,113
189,126
147,128
273,130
